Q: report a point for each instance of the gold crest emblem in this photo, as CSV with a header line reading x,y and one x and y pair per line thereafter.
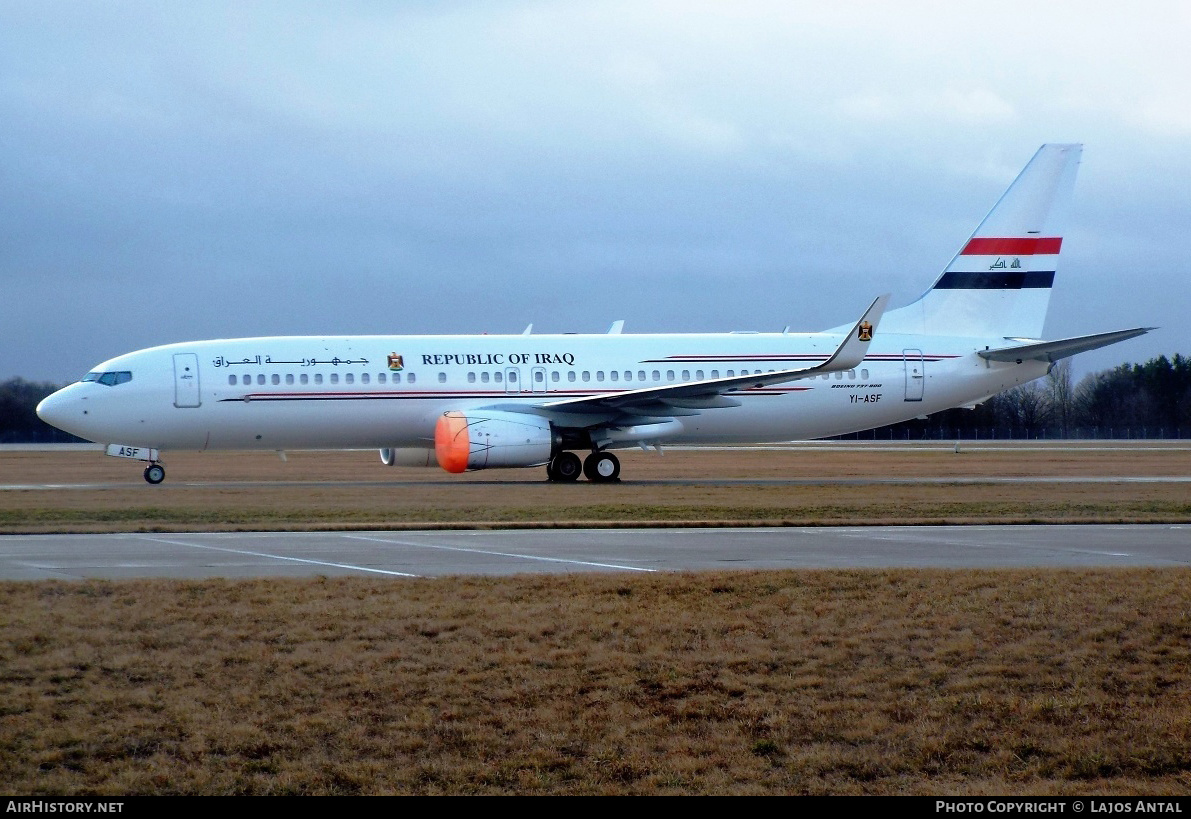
x,y
395,362
865,331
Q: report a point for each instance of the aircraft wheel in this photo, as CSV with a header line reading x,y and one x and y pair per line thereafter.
x,y
155,473
564,467
601,467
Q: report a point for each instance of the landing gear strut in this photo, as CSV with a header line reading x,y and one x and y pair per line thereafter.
x,y
154,473
601,467
564,467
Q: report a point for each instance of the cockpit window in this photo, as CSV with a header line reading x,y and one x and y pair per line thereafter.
x,y
109,379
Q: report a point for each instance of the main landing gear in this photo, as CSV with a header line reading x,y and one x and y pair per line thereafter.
x,y
154,473
564,467
599,467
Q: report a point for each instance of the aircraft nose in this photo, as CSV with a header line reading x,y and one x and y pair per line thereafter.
x,y
61,410
50,408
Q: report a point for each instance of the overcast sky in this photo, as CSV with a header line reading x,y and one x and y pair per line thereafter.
x,y
175,171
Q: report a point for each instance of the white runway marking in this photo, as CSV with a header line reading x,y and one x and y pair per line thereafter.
x,y
501,554
280,557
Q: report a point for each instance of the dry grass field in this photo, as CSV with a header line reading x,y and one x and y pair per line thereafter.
x,y
813,682
817,485
823,682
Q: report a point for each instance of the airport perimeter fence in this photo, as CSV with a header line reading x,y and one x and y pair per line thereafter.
x,y
1106,433
44,435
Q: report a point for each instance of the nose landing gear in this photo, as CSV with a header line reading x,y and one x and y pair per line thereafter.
x,y
155,473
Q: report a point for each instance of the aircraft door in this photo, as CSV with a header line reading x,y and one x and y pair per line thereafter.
x,y
512,380
538,379
186,380
915,374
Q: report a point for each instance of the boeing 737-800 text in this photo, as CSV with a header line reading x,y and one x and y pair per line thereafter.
x,y
485,401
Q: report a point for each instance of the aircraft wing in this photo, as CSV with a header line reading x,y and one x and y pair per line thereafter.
x,y
693,396
1054,350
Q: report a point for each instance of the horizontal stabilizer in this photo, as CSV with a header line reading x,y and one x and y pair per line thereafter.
x,y
1055,350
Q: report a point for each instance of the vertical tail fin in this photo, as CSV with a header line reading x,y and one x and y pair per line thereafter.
x,y
999,283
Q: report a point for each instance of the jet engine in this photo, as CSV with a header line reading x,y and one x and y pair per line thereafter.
x,y
407,456
482,439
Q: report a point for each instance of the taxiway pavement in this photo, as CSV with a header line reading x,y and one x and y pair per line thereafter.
x,y
400,554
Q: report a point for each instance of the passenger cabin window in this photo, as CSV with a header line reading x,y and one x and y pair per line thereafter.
x,y
640,375
411,378
485,377
334,378
289,378
276,378
864,374
471,378
304,378
260,379
350,378
571,375
538,376
318,378
363,378
613,375
231,379
442,378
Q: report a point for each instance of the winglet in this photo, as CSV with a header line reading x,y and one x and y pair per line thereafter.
x,y
855,345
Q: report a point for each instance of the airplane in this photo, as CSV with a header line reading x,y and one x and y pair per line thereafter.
x,y
470,402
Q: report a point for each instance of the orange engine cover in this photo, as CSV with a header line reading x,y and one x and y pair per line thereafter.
x,y
478,439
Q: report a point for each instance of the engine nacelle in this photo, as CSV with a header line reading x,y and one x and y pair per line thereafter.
x,y
408,456
482,439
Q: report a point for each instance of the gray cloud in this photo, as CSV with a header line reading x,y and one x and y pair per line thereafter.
x,y
174,171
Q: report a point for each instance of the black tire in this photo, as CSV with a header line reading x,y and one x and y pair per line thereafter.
x,y
601,467
154,473
565,467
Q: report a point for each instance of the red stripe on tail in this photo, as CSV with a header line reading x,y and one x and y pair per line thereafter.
x,y
1011,247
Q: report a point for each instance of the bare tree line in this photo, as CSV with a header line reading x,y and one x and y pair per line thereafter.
x,y
1150,400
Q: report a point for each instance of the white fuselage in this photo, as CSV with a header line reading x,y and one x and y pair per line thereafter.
x,y
388,391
